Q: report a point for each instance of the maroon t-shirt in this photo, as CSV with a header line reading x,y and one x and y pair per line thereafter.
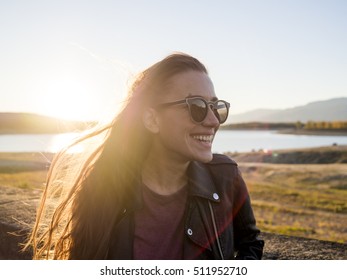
x,y
159,226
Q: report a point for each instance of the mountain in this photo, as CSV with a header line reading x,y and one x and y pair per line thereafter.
x,y
13,123
327,110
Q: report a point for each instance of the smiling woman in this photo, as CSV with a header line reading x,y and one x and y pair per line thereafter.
x,y
151,188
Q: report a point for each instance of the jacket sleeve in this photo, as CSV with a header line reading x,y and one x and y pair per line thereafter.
x,y
248,245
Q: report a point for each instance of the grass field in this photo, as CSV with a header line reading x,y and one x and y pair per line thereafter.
x,y
302,200
24,170
308,200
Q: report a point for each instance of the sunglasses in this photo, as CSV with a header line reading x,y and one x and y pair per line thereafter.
x,y
198,108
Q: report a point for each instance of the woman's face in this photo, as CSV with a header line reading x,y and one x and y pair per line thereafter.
x,y
178,135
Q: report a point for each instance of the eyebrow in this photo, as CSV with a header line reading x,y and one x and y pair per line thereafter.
x,y
195,95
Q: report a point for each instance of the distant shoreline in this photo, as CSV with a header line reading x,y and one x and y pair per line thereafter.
x,y
336,128
318,155
294,131
313,132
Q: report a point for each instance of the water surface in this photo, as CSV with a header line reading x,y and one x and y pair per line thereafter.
x,y
225,141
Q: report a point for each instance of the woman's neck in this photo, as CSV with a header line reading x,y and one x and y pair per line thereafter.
x,y
164,176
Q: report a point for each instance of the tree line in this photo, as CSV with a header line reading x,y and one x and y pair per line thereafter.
x,y
335,125
310,125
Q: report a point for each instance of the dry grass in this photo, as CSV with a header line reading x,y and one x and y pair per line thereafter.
x,y
27,180
302,200
24,170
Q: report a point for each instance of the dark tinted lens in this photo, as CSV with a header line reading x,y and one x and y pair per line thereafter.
x,y
198,109
221,111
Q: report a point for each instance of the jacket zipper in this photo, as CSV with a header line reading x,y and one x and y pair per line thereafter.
x,y
215,230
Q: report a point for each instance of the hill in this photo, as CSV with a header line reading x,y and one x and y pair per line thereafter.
x,y
326,110
14,123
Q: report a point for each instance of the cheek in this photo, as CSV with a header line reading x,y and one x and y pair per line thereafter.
x,y
174,121
174,134
175,126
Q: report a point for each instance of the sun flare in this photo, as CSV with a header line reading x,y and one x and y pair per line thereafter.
x,y
61,141
69,99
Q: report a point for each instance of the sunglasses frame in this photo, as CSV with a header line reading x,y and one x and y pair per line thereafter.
x,y
209,104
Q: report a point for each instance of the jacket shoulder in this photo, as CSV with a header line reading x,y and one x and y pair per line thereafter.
x,y
221,159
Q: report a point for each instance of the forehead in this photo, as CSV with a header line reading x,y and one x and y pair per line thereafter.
x,y
191,83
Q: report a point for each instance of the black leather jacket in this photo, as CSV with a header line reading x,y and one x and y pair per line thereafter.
x,y
219,221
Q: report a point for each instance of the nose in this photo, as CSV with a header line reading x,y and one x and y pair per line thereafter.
x,y
211,119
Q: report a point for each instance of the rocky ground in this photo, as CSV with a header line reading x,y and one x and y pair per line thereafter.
x,y
282,247
17,211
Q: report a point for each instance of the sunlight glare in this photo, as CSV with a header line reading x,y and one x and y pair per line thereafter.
x,y
60,141
69,99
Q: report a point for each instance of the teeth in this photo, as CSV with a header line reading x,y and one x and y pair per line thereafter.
x,y
204,138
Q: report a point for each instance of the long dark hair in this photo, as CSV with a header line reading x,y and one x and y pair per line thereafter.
x,y
84,192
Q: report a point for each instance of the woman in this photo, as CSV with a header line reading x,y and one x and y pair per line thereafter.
x,y
152,189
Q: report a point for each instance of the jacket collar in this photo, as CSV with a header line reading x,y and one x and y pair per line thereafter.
x,y
201,183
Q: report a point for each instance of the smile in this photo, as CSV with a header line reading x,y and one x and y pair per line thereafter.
x,y
204,138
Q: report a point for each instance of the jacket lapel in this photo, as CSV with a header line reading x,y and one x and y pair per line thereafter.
x,y
198,224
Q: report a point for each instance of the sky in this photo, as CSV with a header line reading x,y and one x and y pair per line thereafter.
x,y
75,59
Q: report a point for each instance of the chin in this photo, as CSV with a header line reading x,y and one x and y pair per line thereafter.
x,y
205,158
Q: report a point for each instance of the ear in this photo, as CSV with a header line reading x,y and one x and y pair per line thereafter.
x,y
150,120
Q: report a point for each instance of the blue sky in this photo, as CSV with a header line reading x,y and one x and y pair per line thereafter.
x,y
75,59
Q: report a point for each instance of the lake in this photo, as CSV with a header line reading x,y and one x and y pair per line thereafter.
x,y
225,140
35,142
248,140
